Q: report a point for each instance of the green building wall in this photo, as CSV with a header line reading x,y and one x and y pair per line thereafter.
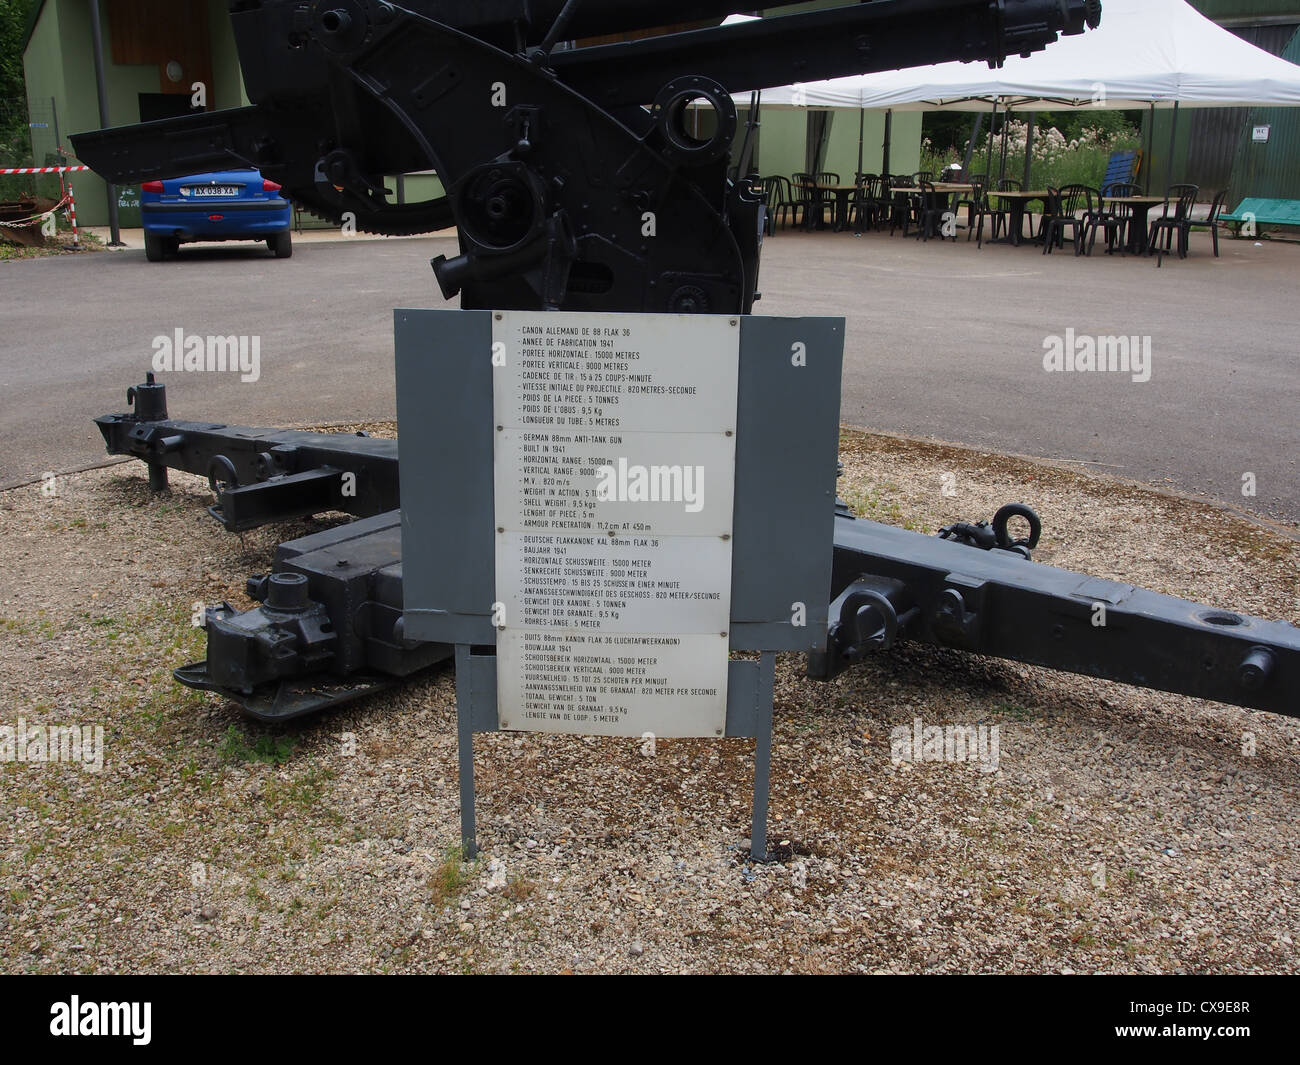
x,y
58,63
228,90
43,71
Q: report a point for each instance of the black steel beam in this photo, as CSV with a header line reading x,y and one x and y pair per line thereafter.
x,y
263,475
996,603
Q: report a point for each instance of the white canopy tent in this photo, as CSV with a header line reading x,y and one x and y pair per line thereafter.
x,y
1144,53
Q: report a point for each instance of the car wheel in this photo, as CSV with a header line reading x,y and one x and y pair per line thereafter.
x,y
155,248
281,244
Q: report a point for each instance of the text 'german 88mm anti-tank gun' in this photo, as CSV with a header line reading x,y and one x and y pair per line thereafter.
x,y
551,157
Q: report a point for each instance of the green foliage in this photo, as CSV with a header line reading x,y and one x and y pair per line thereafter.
x,y
450,877
270,749
13,21
1058,159
15,145
950,130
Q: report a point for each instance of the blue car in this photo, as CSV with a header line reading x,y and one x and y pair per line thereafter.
x,y
223,205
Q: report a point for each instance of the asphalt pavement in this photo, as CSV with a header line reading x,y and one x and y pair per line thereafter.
x,y
944,340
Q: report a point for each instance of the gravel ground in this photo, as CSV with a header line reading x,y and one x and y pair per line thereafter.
x,y
1122,831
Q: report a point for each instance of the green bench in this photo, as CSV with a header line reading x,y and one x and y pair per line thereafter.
x,y
1260,212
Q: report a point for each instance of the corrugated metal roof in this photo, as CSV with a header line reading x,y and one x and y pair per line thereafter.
x,y
1243,9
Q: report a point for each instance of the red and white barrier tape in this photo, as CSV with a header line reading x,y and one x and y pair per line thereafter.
x,y
41,169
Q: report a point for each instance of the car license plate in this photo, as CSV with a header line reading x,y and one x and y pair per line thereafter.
x,y
209,191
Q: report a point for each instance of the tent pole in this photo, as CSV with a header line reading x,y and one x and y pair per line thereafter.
x,y
1002,151
1173,132
862,119
992,122
889,132
970,144
1151,137
748,157
1029,150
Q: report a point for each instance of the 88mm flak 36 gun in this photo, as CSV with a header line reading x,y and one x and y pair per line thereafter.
x,y
553,158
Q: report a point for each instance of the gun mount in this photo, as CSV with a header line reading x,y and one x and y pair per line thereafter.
x,y
554,160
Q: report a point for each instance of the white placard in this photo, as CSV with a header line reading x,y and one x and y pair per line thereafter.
x,y
611,684
614,468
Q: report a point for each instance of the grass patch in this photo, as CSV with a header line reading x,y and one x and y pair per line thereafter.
x,y
450,878
304,792
873,504
1015,711
270,750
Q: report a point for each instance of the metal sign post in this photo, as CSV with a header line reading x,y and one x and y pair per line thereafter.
x,y
631,506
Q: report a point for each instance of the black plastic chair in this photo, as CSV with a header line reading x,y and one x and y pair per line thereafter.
x,y
780,202
1178,224
1212,219
1012,185
971,200
902,207
1116,219
883,200
865,205
805,195
999,216
931,213
827,177
1067,208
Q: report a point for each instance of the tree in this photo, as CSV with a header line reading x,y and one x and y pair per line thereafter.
x,y
14,143
13,21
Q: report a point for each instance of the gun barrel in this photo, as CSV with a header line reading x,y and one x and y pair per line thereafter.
x,y
500,20
830,43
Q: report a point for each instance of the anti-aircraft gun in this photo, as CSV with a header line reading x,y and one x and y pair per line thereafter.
x,y
551,155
